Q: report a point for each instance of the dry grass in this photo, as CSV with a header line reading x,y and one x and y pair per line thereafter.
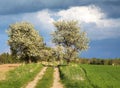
x,y
5,68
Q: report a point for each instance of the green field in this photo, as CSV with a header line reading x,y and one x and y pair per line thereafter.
x,y
103,76
90,76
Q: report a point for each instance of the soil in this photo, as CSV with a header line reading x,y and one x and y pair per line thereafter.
x,y
5,68
57,83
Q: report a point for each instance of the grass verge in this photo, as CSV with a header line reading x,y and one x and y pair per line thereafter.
x,y
72,76
47,80
20,76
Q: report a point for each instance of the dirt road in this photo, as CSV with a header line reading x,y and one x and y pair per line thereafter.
x,y
56,83
33,83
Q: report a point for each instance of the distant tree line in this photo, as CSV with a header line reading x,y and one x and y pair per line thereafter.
x,y
98,61
8,58
49,54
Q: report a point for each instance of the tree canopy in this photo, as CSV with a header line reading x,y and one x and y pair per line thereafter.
x,y
24,41
69,35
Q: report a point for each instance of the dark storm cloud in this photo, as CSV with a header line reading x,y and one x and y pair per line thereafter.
x,y
21,6
110,7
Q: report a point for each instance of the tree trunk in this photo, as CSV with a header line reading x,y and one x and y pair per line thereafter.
x,y
29,60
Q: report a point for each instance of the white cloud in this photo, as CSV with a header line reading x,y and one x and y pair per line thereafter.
x,y
45,19
41,19
93,21
83,14
98,33
109,23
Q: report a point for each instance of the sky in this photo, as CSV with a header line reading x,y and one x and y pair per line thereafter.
x,y
100,19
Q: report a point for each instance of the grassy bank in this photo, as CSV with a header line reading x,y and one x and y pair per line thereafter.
x,y
20,76
73,76
47,80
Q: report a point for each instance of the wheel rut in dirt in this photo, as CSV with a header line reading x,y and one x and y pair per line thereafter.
x,y
56,82
39,76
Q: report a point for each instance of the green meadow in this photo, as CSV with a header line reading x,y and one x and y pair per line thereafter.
x,y
90,76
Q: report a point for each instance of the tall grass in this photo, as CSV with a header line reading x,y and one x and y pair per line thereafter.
x,y
47,80
20,76
73,76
